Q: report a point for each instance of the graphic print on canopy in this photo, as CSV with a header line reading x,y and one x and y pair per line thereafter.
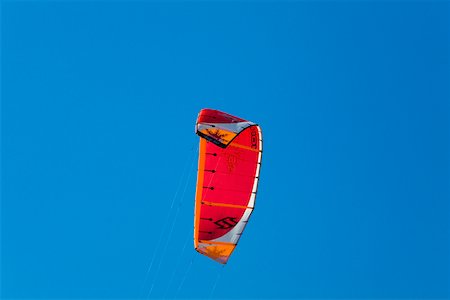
x,y
228,173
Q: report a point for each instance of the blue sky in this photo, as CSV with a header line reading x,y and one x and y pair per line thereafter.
x,y
98,151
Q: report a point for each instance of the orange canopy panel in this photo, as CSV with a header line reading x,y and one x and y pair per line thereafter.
x,y
228,174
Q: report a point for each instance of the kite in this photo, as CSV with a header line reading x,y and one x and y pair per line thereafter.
x,y
227,180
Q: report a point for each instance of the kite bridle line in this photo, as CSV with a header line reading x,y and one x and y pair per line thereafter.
x,y
166,224
219,273
180,203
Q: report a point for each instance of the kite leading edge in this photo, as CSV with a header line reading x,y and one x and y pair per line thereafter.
x,y
227,181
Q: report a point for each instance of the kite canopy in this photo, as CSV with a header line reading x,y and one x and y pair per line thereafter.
x,y
228,173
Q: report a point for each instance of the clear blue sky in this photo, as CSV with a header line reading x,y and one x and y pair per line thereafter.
x,y
98,105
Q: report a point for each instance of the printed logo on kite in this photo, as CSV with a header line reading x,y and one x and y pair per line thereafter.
x,y
219,135
226,223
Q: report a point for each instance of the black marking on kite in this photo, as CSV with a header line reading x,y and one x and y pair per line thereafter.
x,y
207,219
208,232
209,187
226,222
210,139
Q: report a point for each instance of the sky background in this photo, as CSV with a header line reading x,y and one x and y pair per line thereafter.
x,y
98,152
